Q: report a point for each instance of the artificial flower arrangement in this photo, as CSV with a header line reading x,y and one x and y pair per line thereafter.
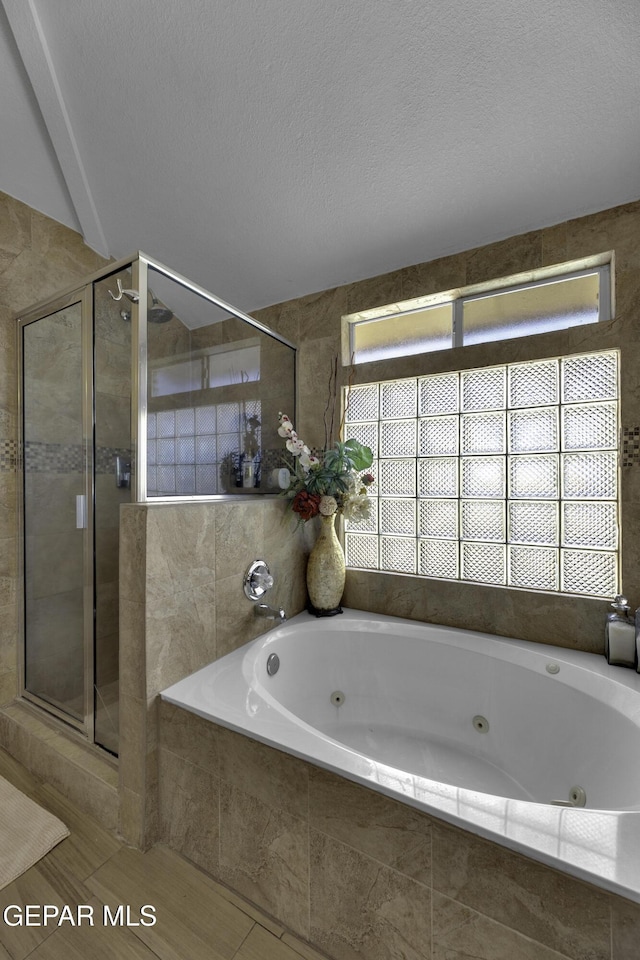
x,y
331,483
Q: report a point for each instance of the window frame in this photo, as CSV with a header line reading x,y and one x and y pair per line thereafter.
x,y
601,264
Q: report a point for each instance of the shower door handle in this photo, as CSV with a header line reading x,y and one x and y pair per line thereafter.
x,y
81,511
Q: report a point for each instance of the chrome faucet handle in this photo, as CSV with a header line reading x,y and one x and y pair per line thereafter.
x,y
262,580
257,580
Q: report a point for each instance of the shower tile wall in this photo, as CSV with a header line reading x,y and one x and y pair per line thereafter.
x,y
38,257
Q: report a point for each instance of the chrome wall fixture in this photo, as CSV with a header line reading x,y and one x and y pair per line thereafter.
x,y
132,295
257,580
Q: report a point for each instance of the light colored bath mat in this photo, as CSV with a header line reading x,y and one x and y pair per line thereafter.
x,y
27,832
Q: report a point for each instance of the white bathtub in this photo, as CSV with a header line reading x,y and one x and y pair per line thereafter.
x,y
480,731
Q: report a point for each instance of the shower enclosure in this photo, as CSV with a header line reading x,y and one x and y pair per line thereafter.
x,y
136,385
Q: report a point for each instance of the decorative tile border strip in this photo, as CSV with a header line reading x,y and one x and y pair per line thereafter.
x,y
630,453
8,456
106,458
53,457
61,458
56,457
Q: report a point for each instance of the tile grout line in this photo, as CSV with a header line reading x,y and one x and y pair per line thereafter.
x,y
512,930
376,860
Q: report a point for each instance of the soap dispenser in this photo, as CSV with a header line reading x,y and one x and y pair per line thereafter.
x,y
620,635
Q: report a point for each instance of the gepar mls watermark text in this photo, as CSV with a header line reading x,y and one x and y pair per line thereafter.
x,y
78,915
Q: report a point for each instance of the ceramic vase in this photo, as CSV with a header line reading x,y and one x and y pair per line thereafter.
x,y
326,571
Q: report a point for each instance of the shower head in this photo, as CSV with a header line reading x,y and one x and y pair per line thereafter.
x,y
157,313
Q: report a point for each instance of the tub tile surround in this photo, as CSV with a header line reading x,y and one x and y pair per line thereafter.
x,y
359,874
578,623
182,606
264,855
570,917
380,828
360,907
460,933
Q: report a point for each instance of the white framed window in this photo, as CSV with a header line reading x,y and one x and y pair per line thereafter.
x,y
518,306
227,365
506,475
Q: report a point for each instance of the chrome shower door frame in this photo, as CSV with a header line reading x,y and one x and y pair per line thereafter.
x,y
83,296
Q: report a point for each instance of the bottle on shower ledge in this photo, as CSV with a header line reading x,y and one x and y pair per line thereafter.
x,y
620,635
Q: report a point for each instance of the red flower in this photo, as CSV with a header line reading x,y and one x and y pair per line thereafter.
x,y
305,504
367,479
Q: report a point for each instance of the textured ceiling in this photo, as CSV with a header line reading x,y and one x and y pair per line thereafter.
x,y
272,149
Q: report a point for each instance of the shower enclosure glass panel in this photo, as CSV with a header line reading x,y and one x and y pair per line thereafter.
x,y
215,385
112,401
57,511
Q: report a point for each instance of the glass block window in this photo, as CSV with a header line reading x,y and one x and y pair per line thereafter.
x,y
192,451
506,475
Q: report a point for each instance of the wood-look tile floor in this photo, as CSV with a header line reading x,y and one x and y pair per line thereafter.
x,y
196,918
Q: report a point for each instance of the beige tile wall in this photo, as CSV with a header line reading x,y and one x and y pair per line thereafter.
x,y
182,606
314,323
361,875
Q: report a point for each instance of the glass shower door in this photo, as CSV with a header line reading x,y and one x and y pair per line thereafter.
x,y
57,438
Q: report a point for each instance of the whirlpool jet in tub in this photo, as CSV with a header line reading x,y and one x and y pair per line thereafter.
x,y
533,746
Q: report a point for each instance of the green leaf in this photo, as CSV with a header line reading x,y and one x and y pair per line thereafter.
x,y
360,456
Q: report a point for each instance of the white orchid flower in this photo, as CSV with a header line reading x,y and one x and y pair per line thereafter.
x,y
296,446
286,427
